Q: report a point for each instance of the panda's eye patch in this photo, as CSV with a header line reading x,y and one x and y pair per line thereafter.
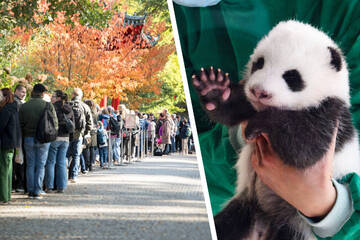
x,y
293,79
259,64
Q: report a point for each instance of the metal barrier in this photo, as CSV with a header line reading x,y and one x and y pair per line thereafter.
x,y
135,145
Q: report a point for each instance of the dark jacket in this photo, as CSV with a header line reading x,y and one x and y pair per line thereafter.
x,y
30,114
10,134
62,111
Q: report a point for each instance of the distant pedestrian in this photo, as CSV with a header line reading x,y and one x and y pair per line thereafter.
x,y
102,141
19,161
173,133
178,138
83,125
185,133
9,140
90,151
166,133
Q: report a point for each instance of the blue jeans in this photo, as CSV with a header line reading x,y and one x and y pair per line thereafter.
x,y
103,152
115,148
82,162
57,163
75,150
36,156
173,145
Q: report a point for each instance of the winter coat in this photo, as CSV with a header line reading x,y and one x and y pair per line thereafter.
x,y
10,134
62,111
30,113
166,132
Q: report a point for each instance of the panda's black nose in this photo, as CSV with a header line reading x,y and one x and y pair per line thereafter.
x,y
259,93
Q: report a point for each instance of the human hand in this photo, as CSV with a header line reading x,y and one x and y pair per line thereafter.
x,y
309,190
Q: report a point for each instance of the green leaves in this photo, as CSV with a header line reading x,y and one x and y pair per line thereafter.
x,y
34,13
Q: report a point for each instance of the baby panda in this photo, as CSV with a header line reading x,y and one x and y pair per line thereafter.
x,y
295,89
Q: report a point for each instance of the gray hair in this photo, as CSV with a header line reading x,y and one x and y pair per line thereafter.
x,y
78,92
110,108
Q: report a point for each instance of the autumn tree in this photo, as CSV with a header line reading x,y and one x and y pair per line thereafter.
x,y
113,62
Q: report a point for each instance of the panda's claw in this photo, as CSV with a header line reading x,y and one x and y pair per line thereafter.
x,y
212,76
219,76
203,75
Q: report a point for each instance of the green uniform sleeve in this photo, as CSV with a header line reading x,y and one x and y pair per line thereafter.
x,y
351,229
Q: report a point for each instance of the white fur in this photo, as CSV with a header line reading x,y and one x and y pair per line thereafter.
x,y
295,45
348,159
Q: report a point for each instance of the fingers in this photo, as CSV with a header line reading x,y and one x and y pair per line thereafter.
x,y
243,127
255,159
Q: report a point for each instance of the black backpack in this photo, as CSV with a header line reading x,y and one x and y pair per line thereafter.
x,y
114,125
184,131
46,129
158,152
79,115
69,125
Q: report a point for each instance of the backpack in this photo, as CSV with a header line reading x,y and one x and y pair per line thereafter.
x,y
188,131
79,115
101,137
46,128
158,152
185,132
114,125
69,125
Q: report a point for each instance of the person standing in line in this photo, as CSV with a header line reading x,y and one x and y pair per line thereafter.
x,y
102,141
36,153
173,133
90,152
178,138
114,127
184,134
56,162
151,134
83,124
19,161
10,136
166,134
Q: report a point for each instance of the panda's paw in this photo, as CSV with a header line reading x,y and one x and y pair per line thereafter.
x,y
213,87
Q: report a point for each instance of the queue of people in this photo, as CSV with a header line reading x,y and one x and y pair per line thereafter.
x,y
74,134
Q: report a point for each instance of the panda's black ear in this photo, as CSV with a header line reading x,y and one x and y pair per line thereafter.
x,y
335,59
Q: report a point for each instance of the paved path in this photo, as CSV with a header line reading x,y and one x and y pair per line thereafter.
x,y
157,198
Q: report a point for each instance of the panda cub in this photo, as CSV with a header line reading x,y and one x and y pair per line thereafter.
x,y
295,89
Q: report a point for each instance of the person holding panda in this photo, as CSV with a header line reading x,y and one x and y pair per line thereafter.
x,y
328,205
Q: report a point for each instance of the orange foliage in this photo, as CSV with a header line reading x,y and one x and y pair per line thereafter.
x,y
112,62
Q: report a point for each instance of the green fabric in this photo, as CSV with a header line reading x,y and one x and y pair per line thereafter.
x,y
226,34
351,229
6,157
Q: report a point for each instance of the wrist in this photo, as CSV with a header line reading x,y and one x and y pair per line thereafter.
x,y
322,204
